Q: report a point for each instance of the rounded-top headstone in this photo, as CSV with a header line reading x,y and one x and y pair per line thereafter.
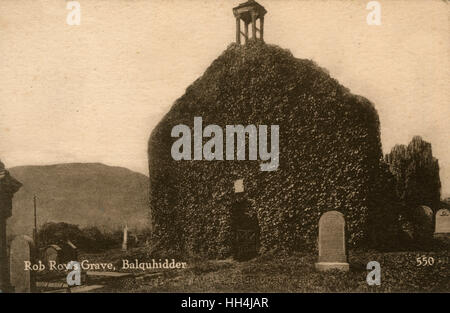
x,y
442,222
427,211
423,223
52,253
332,245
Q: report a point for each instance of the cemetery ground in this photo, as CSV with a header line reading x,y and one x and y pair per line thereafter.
x,y
412,271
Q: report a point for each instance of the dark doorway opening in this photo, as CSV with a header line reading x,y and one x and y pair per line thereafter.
x,y
245,228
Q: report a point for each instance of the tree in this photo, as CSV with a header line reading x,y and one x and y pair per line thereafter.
x,y
416,174
416,183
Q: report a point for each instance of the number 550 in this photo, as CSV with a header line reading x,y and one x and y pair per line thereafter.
x,y
425,261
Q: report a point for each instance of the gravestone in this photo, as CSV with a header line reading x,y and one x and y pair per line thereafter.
x,y
22,249
125,239
442,228
52,253
71,252
62,253
332,245
427,212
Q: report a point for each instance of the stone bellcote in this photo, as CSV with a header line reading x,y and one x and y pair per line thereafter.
x,y
249,12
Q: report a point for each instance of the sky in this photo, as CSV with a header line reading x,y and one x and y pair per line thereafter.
x,y
93,92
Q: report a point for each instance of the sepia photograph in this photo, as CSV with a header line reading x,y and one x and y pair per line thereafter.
x,y
223,152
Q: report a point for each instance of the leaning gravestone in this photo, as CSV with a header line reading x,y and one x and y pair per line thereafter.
x,y
22,250
69,252
442,228
332,253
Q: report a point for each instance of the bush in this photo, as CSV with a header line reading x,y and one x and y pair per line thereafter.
x,y
58,233
88,239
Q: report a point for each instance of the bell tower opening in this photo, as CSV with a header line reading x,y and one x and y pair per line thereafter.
x,y
249,12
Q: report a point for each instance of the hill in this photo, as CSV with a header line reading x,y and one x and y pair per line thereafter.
x,y
85,194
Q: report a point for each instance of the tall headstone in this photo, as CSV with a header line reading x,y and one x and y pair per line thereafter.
x,y
125,239
442,228
22,250
332,245
8,187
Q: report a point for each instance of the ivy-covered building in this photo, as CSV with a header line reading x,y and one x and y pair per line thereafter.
x,y
329,154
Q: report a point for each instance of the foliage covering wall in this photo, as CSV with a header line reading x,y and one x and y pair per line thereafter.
x,y
329,156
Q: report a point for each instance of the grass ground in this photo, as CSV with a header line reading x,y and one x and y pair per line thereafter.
x,y
400,272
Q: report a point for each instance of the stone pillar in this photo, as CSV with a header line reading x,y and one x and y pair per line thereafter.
x,y
8,187
261,27
5,285
238,30
254,25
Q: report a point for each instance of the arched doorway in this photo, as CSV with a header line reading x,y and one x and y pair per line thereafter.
x,y
245,228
